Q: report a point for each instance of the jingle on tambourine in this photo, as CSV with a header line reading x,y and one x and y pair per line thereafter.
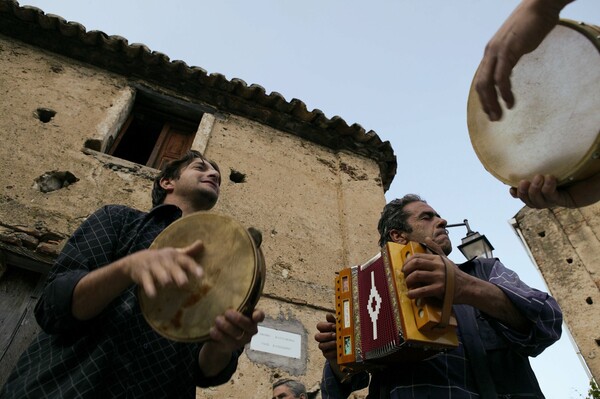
x,y
234,271
554,127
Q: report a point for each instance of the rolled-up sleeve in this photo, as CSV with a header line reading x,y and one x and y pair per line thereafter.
x,y
221,378
538,307
87,249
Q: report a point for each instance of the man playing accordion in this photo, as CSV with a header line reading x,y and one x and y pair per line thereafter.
x,y
501,322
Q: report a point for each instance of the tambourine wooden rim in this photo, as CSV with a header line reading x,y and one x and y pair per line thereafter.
x,y
234,271
554,127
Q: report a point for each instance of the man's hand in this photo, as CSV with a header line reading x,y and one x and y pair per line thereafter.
x,y
152,268
520,34
543,192
327,344
326,338
425,275
231,331
148,268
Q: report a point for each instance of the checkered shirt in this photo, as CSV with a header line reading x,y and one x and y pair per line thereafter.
x,y
116,354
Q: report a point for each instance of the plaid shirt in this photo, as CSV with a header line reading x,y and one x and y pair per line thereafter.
x,y
116,354
449,374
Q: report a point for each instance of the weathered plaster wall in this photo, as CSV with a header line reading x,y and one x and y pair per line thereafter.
x,y
565,244
81,98
317,208
302,197
318,212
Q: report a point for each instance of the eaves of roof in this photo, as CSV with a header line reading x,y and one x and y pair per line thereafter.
x,y
113,53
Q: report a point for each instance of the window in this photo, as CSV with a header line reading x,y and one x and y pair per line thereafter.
x,y
155,132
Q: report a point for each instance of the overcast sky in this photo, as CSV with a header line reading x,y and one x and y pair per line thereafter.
x,y
401,68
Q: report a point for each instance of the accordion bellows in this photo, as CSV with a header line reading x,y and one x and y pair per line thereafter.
x,y
376,322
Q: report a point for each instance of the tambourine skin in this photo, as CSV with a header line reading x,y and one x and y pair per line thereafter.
x,y
554,127
234,270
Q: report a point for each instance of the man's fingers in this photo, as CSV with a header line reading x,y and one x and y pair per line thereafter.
x,y
530,192
549,189
328,326
188,262
258,316
179,276
147,284
330,318
193,249
485,87
175,269
542,192
325,327
160,272
522,191
419,261
535,195
504,67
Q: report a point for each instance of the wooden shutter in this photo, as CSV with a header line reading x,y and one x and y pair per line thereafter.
x,y
172,143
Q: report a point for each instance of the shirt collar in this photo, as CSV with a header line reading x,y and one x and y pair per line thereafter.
x,y
167,211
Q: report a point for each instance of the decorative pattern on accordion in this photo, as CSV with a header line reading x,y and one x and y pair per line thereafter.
x,y
347,350
355,335
376,321
380,332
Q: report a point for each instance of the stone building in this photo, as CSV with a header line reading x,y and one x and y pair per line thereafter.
x,y
565,246
86,120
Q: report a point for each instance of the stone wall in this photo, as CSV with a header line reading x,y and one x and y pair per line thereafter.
x,y
317,207
565,244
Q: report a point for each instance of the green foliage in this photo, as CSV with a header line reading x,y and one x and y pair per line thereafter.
x,y
594,392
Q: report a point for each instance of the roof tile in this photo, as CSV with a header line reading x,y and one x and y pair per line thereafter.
x,y
114,53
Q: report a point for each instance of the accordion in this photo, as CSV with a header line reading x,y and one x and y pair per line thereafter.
x,y
376,322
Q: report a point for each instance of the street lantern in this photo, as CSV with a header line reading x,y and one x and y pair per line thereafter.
x,y
474,245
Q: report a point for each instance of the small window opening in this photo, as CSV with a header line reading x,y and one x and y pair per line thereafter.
x,y
153,136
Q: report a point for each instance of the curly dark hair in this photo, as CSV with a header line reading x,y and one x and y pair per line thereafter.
x,y
393,217
173,170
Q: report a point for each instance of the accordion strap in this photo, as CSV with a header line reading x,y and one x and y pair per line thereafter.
x,y
476,352
448,293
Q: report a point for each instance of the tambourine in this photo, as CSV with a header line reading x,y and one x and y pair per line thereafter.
x,y
554,127
234,274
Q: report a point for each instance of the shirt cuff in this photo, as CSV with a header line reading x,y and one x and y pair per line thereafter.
x,y
225,375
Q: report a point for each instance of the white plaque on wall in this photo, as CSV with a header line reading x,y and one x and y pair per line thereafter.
x,y
277,342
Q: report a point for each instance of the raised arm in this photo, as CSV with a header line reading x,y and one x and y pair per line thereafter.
x,y
530,319
148,268
94,268
520,34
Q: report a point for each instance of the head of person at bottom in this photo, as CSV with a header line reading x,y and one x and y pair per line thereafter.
x,y
289,389
410,218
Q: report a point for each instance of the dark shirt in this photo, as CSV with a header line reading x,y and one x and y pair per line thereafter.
x,y
116,354
449,374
